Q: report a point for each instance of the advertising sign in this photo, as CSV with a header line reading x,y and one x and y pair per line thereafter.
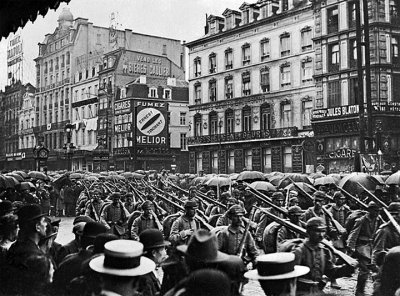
x,y
145,64
336,111
151,122
369,163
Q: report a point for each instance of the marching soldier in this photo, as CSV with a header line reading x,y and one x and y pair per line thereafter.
x,y
359,243
284,233
387,236
183,227
231,239
318,258
94,205
147,220
114,215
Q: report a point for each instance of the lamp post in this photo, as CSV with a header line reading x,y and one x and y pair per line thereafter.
x,y
69,147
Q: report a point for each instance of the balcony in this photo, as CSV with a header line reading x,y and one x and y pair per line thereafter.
x,y
197,74
213,70
229,66
247,92
333,67
245,136
229,95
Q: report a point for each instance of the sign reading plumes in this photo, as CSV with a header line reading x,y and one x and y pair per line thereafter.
x,y
151,123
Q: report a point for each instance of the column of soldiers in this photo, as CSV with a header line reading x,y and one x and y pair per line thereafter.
x,y
184,232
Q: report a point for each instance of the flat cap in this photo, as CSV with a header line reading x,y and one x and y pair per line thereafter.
x,y
316,223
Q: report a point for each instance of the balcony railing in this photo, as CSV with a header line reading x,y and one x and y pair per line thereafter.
x,y
245,136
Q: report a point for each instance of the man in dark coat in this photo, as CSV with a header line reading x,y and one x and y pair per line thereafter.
x,y
154,249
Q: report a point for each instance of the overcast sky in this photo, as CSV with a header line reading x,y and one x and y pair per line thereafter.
x,y
178,19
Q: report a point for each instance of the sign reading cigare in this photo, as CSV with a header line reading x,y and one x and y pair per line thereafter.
x,y
151,123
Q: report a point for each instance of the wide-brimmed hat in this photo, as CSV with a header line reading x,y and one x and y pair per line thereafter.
x,y
152,238
29,212
276,266
203,247
122,258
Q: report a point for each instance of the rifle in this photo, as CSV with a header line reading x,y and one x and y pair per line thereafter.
x,y
384,208
300,230
287,199
355,199
265,199
242,246
96,216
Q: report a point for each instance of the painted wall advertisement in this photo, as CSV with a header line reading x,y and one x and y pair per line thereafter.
x,y
151,122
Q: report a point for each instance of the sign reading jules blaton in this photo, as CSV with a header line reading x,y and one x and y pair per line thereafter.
x,y
151,122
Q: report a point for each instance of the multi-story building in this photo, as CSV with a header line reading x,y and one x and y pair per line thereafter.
x,y
16,142
134,88
336,121
67,69
251,89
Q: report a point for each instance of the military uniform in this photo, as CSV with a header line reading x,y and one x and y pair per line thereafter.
x,y
177,235
385,239
142,223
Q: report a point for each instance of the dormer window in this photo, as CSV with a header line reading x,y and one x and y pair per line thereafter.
x,y
213,27
153,92
246,14
167,94
212,60
105,64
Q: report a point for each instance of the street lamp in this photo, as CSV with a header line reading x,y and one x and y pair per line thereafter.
x,y
69,147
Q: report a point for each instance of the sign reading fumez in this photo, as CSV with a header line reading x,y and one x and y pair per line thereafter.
x,y
151,123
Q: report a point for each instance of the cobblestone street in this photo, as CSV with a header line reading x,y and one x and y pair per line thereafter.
x,y
252,288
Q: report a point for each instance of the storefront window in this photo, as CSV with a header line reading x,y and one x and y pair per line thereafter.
x,y
287,159
248,163
199,161
266,159
231,161
214,162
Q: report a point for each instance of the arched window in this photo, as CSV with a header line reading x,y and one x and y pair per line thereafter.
x,y
197,125
213,123
246,119
265,111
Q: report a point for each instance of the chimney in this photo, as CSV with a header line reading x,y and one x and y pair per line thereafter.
x,y
171,81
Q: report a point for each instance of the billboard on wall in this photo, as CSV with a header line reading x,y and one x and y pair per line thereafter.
x,y
151,122
15,57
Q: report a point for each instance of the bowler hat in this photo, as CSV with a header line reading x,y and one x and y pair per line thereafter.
x,y
295,210
80,219
394,207
122,258
319,195
6,207
316,223
191,204
152,238
207,282
29,212
276,266
203,247
92,229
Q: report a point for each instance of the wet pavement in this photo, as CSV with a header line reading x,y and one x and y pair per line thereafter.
x,y
253,287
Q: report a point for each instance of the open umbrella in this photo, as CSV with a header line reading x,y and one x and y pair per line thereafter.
x,y
233,176
393,179
263,185
76,176
140,172
197,180
38,175
22,174
11,182
250,175
317,175
26,186
16,176
218,181
349,183
91,178
325,181
305,186
295,178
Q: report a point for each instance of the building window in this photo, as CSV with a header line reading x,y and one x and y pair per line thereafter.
x,y
396,88
164,49
229,122
265,49
285,44
197,67
246,54
287,159
286,111
228,59
333,20
245,14
307,107
395,50
353,91
229,87
199,161
334,94
198,130
231,161
213,27
264,79
306,39
334,57
183,141
265,112
68,58
246,127
285,75
306,70
153,92
213,119
212,61
353,53
246,83
352,14
182,118
197,93
167,94
212,90
248,157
